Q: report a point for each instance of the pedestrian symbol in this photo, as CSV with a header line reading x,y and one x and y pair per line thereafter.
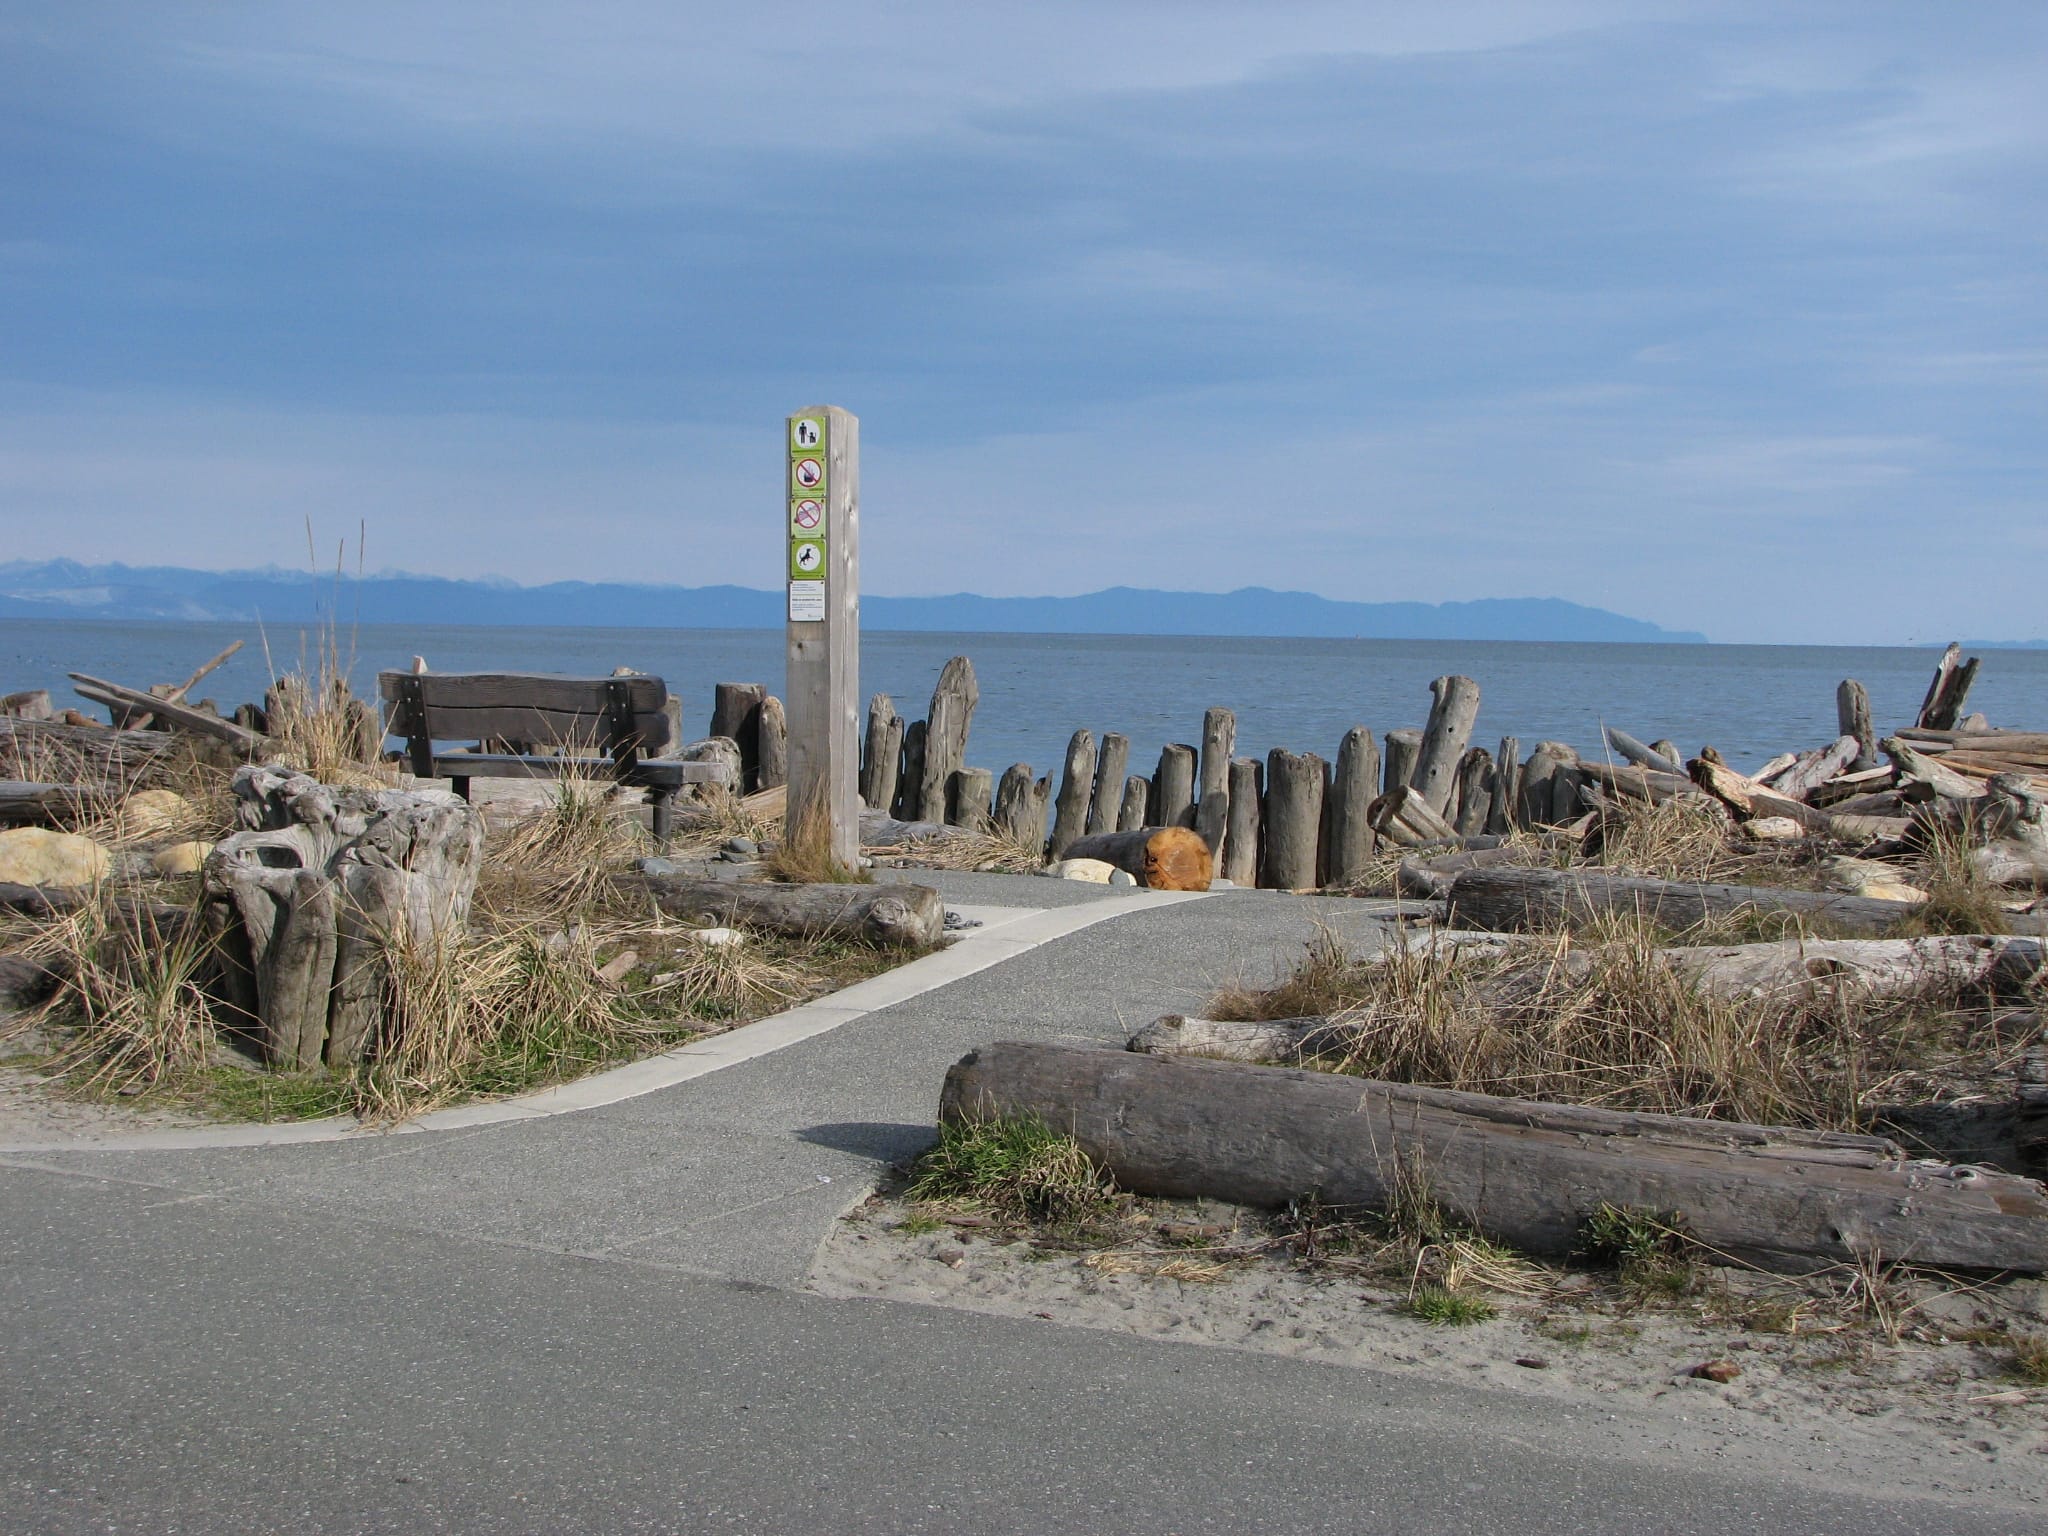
x,y
806,432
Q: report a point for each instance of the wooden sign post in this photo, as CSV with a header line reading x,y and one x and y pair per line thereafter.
x,y
823,692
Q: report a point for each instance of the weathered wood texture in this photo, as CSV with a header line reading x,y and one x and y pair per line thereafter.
x,y
1219,741
1173,786
822,662
1021,805
1077,787
1112,767
1507,788
774,734
1136,811
1351,840
1943,705
1526,1173
882,752
911,776
1510,900
24,804
1241,842
1403,818
946,730
909,916
322,897
1816,767
1940,966
1397,770
1293,822
1539,782
29,704
736,715
176,716
1162,858
1475,791
1852,718
1635,752
1452,714
1212,821
967,799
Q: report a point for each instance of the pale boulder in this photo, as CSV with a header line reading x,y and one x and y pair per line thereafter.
x,y
37,856
148,812
180,859
1872,878
1773,829
1093,870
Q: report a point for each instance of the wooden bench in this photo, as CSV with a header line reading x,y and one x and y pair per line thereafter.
x,y
597,726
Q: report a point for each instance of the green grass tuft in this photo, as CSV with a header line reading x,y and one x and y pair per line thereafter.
x,y
1446,1308
1019,1168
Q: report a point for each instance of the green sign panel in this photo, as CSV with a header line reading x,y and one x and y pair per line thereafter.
x,y
806,559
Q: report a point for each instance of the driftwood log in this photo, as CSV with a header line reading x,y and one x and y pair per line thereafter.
x,y
178,717
1162,858
1020,806
881,755
1241,841
945,741
1351,838
1507,787
320,893
968,796
1452,714
911,774
1516,900
1293,823
1397,766
1635,752
905,916
1401,817
1136,810
736,715
25,804
1864,968
1077,786
1539,782
1527,1173
1112,767
1173,786
773,731
1943,705
38,750
1852,718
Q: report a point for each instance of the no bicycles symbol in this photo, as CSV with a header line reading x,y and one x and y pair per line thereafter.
x,y
807,514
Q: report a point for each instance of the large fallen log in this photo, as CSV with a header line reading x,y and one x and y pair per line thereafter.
x,y
1516,900
25,804
1940,966
1816,768
1527,1173
1163,858
906,916
54,752
1747,797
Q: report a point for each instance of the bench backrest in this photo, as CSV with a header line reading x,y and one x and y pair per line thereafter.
x,y
621,717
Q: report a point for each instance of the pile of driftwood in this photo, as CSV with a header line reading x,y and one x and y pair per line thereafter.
x,y
1298,821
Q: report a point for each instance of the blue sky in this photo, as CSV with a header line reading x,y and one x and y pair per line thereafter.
x,y
1728,316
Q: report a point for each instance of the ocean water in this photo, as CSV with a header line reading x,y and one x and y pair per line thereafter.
x,y
1749,701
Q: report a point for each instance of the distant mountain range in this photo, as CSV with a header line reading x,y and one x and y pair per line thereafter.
x,y
66,589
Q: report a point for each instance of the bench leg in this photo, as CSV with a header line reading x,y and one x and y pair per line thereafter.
x,y
664,803
461,787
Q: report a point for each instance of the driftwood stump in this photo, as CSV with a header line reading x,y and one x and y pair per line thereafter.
x,y
308,901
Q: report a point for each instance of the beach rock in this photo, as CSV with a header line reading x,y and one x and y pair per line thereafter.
x,y
1122,877
148,812
1092,870
714,938
180,859
1870,877
37,856
1720,1372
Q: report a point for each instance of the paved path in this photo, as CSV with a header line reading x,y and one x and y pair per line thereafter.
x,y
593,1321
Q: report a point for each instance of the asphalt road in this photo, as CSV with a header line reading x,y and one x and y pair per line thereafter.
x,y
595,1323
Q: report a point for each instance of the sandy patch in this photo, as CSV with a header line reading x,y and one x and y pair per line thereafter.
x,y
34,1110
1920,1416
